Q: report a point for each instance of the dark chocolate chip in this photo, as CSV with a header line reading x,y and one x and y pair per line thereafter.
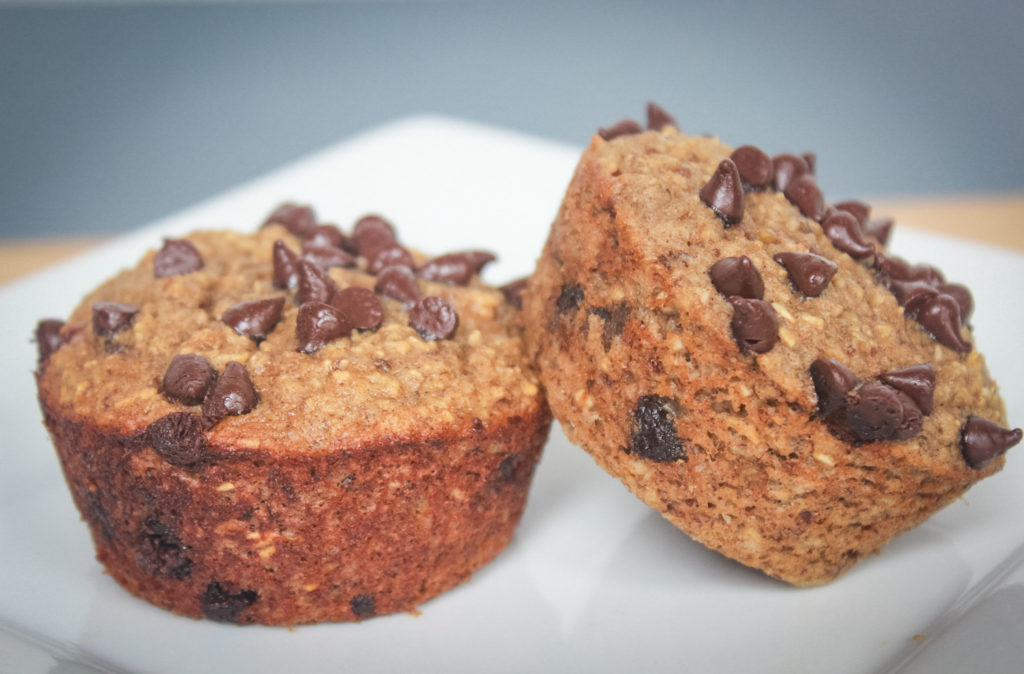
x,y
812,161
188,378
911,294
857,209
962,296
755,326
398,282
363,606
832,381
570,298
788,167
926,273
654,434
723,193
255,318
809,273
324,236
433,318
874,411
804,193
315,285
231,394
940,316
615,319
371,232
326,257
319,323
891,267
286,266
982,440
361,306
755,167
845,234
47,338
513,292
177,257
219,604
392,255
917,381
509,466
625,127
658,119
737,276
178,438
110,318
298,220
161,553
880,228
455,268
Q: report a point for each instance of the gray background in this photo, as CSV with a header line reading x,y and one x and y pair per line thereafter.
x,y
111,116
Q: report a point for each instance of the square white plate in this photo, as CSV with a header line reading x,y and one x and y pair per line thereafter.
x,y
594,581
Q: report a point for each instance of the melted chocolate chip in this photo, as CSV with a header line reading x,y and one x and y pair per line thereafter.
x,y
326,257
940,316
392,255
188,378
857,209
361,306
737,276
47,338
323,236
110,318
161,553
625,127
570,298
809,273
658,119
299,220
286,266
178,438
845,234
434,318
363,606
232,394
832,381
982,440
255,318
788,167
654,434
513,292
962,296
315,285
372,232
398,282
219,604
916,381
755,326
755,167
880,228
876,411
455,268
176,257
803,192
723,193
319,323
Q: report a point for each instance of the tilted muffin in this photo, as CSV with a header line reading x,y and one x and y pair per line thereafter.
x,y
749,360
294,425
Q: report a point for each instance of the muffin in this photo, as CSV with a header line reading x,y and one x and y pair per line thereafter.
x,y
749,359
294,425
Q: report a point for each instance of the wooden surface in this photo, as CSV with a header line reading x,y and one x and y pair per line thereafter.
x,y
997,220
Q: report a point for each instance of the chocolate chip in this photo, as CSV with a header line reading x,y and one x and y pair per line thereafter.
x,y
876,411
911,294
880,228
232,394
737,276
982,440
940,316
286,266
811,160
361,306
317,324
788,167
456,268
654,434
392,255
398,282
326,257
658,119
962,296
188,378
298,220
755,167
178,438
324,236
570,298
891,267
371,232
254,318
809,273
845,234
513,292
803,192
832,381
916,381
363,606
625,127
47,338
926,273
723,193
434,318
176,257
755,326
161,553
509,466
315,285
110,318
219,604
857,209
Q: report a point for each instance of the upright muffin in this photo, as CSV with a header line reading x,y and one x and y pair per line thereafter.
x,y
294,425
749,359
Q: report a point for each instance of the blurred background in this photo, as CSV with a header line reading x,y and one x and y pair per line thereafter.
x,y
113,114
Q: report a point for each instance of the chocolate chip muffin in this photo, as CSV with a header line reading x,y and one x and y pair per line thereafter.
x,y
294,425
749,359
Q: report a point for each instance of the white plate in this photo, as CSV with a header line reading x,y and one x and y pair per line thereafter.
x,y
594,581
